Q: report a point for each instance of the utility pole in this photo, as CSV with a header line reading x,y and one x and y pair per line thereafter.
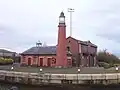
x,y
70,10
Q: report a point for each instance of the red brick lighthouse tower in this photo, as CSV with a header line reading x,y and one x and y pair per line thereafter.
x,y
61,46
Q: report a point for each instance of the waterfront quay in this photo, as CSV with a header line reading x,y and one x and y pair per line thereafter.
x,y
59,79
72,70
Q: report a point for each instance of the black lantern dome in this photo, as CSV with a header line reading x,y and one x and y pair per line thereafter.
x,y
62,18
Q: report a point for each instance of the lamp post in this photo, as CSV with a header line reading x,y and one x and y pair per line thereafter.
x,y
12,68
40,70
78,75
79,70
70,10
116,69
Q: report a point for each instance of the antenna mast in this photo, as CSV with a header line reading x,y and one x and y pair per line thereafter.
x,y
70,10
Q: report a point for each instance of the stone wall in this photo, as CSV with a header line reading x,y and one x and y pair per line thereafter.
x,y
47,78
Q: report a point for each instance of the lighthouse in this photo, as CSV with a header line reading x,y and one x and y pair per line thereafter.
x,y
61,45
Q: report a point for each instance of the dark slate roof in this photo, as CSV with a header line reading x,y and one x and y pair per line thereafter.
x,y
84,42
41,50
5,51
87,43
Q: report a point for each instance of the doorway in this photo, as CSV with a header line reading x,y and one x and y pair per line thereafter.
x,y
41,62
49,62
29,61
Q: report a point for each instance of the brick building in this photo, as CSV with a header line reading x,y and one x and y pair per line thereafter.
x,y
6,53
9,54
68,51
50,56
83,52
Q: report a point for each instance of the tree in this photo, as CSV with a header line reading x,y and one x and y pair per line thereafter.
x,y
104,56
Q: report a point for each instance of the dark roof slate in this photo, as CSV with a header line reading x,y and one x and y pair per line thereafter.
x,y
5,51
84,42
41,50
87,43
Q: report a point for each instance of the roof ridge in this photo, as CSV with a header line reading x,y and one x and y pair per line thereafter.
x,y
84,42
6,50
73,38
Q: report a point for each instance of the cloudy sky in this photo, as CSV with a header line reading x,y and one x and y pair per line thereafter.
x,y
24,22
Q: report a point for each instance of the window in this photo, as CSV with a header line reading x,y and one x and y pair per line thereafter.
x,y
53,60
29,61
41,62
68,48
79,48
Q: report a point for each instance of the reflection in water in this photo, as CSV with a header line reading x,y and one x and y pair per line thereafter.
x,y
4,86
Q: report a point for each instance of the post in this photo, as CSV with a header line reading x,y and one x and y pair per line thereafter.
x,y
40,74
78,75
49,77
117,74
12,68
70,10
92,81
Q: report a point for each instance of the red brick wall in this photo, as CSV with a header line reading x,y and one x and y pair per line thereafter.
x,y
74,46
24,60
61,46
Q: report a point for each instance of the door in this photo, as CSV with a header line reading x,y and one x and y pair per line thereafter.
x,y
92,61
49,62
29,61
41,62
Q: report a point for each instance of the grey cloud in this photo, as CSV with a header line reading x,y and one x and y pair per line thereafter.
x,y
114,37
26,21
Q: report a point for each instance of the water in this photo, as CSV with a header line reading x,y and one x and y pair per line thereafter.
x,y
4,86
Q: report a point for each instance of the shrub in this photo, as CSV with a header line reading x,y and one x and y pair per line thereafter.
x,y
105,65
6,61
108,58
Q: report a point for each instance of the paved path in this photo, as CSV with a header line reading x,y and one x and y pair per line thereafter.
x,y
85,70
